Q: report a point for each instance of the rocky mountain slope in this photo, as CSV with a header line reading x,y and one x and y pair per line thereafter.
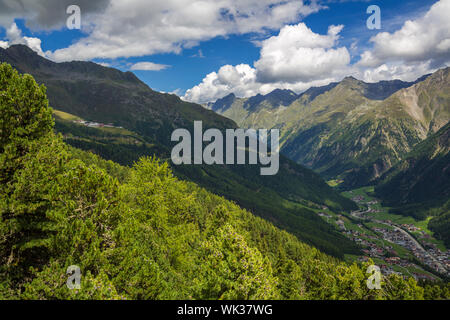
x,y
351,130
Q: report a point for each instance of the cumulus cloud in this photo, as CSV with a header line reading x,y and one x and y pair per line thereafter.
x,y
148,66
139,27
418,44
298,54
389,71
14,36
242,81
295,59
46,14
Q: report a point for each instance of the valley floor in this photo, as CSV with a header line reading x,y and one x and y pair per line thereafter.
x,y
397,244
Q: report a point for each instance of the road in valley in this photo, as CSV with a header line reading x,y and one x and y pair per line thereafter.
x,y
358,215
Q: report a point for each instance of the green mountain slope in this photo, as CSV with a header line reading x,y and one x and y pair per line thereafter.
x,y
95,93
423,174
140,233
419,185
285,199
107,95
353,130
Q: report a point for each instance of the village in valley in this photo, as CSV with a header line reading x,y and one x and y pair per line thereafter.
x,y
395,243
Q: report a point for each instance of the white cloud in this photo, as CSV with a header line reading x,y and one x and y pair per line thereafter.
x,y
148,66
295,59
199,54
242,81
390,71
46,14
177,92
298,58
14,36
104,64
418,43
298,54
139,27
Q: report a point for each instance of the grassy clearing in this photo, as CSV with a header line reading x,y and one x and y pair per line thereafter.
x,y
334,183
65,116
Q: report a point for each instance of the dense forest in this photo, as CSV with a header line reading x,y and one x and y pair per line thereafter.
x,y
87,91
141,233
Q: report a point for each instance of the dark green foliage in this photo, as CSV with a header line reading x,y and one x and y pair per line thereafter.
x,y
280,199
151,236
25,121
266,197
419,186
436,291
113,169
106,95
440,224
423,175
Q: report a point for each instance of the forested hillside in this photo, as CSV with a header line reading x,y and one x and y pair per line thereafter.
x,y
85,90
140,233
419,185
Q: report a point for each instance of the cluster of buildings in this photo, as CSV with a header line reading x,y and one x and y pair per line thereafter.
x,y
341,224
372,250
422,276
427,257
397,234
385,269
441,256
95,124
324,215
397,237
358,199
411,227
405,264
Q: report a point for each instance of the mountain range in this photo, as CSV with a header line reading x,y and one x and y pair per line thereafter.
x,y
142,121
392,134
139,233
352,131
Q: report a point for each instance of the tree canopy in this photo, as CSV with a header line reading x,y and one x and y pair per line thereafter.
x,y
140,233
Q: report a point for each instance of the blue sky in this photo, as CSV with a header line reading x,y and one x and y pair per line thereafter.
x,y
188,61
